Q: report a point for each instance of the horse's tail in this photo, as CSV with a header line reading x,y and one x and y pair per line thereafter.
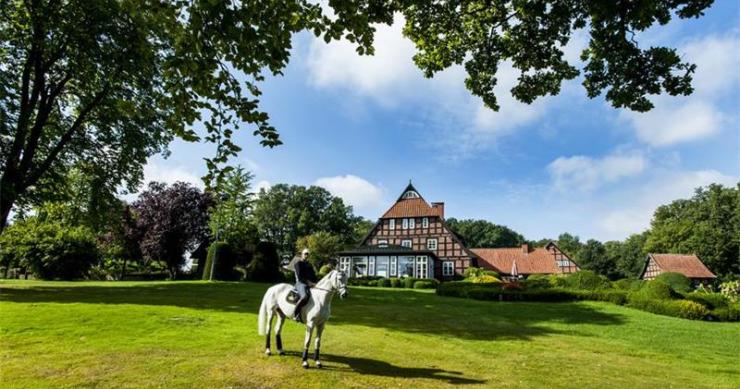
x,y
262,323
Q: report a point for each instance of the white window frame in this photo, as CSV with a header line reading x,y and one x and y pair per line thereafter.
x,y
448,268
421,269
425,222
392,224
371,266
393,267
434,241
382,242
405,224
412,223
345,264
410,243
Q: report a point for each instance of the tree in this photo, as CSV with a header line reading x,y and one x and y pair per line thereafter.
x,y
286,212
173,220
482,233
141,73
231,219
706,225
322,247
632,255
570,245
593,256
361,228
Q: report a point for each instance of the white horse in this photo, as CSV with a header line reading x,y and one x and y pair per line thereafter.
x,y
315,312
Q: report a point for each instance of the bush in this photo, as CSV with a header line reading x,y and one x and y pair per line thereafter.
x,y
384,283
324,270
265,265
628,284
588,280
395,283
49,250
730,289
426,283
363,281
484,279
677,281
408,282
728,313
677,308
618,297
537,281
372,283
221,260
709,300
656,290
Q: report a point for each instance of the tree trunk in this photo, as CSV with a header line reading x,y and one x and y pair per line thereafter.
x,y
123,270
8,196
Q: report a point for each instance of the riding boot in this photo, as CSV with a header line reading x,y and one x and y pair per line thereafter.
x,y
297,314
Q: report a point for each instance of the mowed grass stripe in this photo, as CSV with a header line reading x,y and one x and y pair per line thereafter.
x,y
195,334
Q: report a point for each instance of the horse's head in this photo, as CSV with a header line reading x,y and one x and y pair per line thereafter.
x,y
339,283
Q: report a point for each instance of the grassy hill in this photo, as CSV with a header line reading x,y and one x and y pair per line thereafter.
x,y
55,334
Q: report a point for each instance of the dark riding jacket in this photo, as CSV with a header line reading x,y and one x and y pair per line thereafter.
x,y
304,272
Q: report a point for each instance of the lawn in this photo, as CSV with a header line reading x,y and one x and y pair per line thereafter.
x,y
169,334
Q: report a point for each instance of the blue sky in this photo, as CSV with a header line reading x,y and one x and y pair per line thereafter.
x,y
363,126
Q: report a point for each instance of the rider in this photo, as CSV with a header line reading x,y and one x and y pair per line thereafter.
x,y
305,277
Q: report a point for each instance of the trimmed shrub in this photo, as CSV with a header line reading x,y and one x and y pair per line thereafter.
x,y
362,281
423,284
586,279
265,265
628,284
537,281
728,313
221,260
484,279
384,282
677,281
408,282
372,283
656,290
677,308
709,300
618,297
395,283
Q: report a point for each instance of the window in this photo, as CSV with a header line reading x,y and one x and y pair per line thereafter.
x,y
392,224
360,268
405,224
371,268
381,266
432,244
410,195
412,223
564,263
448,268
425,222
345,263
421,267
406,243
406,266
393,267
383,243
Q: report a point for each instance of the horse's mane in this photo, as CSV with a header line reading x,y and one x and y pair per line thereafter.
x,y
325,279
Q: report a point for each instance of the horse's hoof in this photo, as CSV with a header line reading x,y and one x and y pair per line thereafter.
x,y
305,364
281,353
318,365
267,352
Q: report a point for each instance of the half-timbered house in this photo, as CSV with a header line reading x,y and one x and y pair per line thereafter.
x,y
689,265
521,262
410,239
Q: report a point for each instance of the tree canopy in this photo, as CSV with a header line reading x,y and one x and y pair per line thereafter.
x,y
141,72
484,234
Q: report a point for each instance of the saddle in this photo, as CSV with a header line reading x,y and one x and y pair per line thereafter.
x,y
292,297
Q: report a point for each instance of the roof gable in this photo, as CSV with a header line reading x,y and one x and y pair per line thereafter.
x,y
411,204
689,265
541,260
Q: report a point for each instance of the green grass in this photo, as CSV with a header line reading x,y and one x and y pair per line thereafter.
x,y
170,334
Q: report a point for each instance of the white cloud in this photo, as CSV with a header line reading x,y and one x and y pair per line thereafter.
x,y
170,175
684,119
355,191
264,184
631,212
582,173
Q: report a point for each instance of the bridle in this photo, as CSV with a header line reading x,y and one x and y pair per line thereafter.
x,y
331,290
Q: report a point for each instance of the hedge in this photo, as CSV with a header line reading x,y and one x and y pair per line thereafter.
x,y
677,308
408,282
677,281
709,300
384,282
586,279
396,283
426,283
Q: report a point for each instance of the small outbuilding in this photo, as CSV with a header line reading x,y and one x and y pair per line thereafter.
x,y
521,262
687,264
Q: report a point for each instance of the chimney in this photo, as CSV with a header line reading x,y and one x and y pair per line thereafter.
x,y
525,248
440,207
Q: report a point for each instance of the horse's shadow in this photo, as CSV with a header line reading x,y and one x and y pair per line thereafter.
x,y
367,366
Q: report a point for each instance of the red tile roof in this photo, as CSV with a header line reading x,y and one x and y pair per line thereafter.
x,y
688,265
536,261
413,207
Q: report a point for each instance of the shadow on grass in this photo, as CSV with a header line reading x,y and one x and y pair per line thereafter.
x,y
367,366
392,309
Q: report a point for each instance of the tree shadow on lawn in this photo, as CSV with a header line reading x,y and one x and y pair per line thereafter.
x,y
393,309
367,366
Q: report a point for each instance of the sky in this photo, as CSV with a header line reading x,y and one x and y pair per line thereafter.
x,y
363,126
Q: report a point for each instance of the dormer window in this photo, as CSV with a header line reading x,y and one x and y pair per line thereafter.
x,y
410,194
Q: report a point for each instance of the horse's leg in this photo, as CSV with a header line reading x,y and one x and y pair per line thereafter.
x,y
319,331
267,336
306,343
278,331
